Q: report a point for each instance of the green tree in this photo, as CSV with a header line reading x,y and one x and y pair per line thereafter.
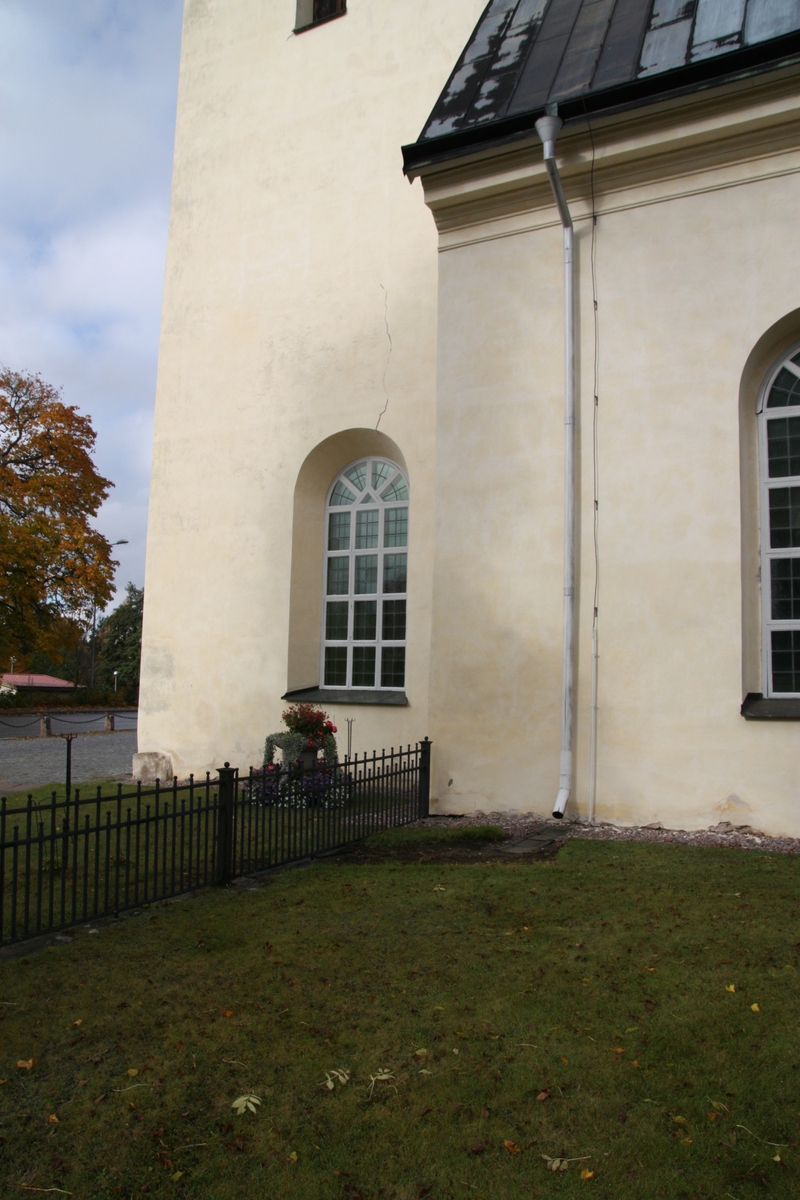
x,y
119,645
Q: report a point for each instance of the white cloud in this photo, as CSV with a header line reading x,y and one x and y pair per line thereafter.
x,y
87,105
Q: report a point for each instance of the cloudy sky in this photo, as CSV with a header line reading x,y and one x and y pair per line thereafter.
x,y
87,114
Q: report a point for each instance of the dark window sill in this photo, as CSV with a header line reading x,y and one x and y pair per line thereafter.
x,y
321,21
319,695
756,708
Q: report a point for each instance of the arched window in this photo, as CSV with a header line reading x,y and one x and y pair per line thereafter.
x,y
364,607
779,451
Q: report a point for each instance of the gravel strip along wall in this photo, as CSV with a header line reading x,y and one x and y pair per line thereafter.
x,y
519,825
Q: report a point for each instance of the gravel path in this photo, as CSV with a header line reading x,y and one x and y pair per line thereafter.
x,y
31,762
519,825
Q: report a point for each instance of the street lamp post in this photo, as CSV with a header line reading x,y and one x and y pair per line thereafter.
x,y
121,542
116,673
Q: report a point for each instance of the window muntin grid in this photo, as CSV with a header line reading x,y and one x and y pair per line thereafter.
x,y
779,451
366,539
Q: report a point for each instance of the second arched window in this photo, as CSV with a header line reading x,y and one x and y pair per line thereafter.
x,y
365,577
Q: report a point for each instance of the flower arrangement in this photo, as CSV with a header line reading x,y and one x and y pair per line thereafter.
x,y
307,728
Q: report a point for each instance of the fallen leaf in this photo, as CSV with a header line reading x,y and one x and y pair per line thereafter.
x,y
712,1116
245,1103
543,1096
176,1176
477,1148
77,1024
618,1049
635,1063
26,1063
586,980
565,1061
227,1012
511,1147
776,1158
133,1071
730,987
420,1053
2,1081
687,1141
53,1119
679,1120
293,1156
587,1174
632,1029
754,1008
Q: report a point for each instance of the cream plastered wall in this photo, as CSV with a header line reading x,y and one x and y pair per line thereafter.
x,y
697,244
300,302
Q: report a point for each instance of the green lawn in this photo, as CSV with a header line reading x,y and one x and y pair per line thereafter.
x,y
487,1016
44,793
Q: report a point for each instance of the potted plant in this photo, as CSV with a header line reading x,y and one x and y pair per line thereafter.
x,y
309,732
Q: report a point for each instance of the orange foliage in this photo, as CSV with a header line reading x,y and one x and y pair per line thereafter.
x,y
53,565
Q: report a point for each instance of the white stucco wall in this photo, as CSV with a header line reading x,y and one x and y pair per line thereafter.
x,y
692,270
294,240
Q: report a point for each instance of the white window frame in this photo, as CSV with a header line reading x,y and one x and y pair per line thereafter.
x,y
768,554
397,475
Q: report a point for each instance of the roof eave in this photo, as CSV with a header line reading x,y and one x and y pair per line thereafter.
x,y
727,68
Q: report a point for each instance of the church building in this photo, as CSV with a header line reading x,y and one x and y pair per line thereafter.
x,y
478,416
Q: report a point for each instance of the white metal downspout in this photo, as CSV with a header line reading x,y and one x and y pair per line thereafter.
x,y
548,128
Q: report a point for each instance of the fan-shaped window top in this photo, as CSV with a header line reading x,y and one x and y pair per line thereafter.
x,y
366,552
785,389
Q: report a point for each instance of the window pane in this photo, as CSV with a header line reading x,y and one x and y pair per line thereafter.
x,y
363,666
366,529
357,475
786,660
366,574
784,517
785,390
342,494
338,575
339,531
336,621
336,666
396,490
783,446
393,666
395,531
785,577
327,8
394,572
381,471
394,621
365,620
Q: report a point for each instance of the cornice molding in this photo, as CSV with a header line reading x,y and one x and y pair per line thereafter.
x,y
701,143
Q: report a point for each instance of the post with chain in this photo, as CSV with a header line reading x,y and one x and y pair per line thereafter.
x,y
425,778
227,776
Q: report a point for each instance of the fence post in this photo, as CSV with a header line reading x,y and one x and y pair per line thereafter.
x,y
425,778
227,774
44,725
109,722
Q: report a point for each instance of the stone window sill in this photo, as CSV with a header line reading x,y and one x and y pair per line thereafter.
x,y
317,695
756,708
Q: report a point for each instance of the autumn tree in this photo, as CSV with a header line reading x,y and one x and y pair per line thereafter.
x,y
53,565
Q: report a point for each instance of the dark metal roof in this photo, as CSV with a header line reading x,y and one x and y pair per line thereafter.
x,y
593,55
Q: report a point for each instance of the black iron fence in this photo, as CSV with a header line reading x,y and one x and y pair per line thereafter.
x,y
72,860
